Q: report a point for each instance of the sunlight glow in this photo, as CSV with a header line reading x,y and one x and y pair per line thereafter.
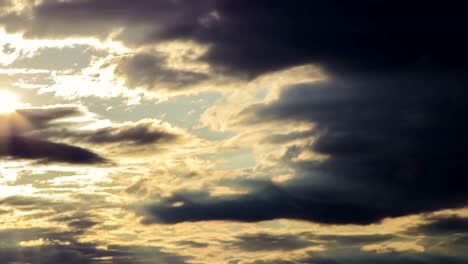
x,y
9,102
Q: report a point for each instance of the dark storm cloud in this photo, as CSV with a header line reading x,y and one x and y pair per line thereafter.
x,y
285,138
256,37
264,202
150,70
396,145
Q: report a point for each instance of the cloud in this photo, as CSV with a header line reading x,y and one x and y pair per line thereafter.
x,y
363,35
384,259
390,145
63,223
192,244
39,245
104,17
443,225
265,202
15,142
143,132
269,242
351,240
26,120
150,70
394,246
340,249
383,135
31,133
45,152
139,138
145,254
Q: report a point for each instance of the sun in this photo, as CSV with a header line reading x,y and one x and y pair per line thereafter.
x,y
9,102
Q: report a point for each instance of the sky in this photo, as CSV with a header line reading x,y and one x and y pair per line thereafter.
x,y
233,132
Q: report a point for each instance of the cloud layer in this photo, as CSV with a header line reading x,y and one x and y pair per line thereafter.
x,y
226,131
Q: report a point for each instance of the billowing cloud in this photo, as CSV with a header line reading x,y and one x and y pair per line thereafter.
x,y
359,35
389,144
